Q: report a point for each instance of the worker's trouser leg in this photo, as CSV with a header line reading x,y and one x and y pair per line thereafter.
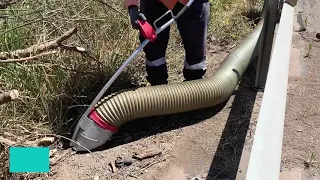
x,y
156,66
193,27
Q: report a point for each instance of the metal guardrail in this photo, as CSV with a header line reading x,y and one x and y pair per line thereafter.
x,y
270,13
265,158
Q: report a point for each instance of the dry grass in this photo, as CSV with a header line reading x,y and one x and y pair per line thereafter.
x,y
57,88
229,19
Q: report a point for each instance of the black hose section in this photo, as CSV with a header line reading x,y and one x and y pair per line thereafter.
x,y
119,108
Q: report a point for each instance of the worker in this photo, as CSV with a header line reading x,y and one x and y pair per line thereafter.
x,y
193,27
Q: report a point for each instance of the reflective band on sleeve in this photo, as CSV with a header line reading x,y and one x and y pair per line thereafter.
x,y
202,65
157,62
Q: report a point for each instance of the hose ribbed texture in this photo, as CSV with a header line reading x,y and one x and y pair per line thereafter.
x,y
119,108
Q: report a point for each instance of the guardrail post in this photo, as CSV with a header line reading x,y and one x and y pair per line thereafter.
x,y
271,16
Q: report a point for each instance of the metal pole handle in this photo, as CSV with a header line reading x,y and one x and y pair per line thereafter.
x,y
126,63
157,20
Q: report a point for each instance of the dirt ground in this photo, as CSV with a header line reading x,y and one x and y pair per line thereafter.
x,y
206,143
214,143
301,145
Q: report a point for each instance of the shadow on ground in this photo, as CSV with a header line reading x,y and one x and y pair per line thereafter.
x,y
226,159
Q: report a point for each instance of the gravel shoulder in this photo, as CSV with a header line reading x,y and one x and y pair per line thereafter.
x,y
301,145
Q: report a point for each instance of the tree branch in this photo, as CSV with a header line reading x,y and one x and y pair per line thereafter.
x,y
65,36
26,54
73,48
27,58
9,96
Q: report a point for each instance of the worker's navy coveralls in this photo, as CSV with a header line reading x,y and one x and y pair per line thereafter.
x,y
193,27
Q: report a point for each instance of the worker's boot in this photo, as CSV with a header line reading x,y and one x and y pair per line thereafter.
x,y
194,69
190,75
157,75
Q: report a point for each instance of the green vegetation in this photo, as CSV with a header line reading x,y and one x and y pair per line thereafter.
x,y
309,50
55,89
229,19
312,160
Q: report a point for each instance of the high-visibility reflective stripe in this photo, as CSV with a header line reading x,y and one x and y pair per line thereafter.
x,y
202,65
157,62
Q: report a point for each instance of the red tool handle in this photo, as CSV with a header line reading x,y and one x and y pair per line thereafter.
x,y
147,30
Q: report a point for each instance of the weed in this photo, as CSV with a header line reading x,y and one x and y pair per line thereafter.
x,y
306,21
311,161
309,50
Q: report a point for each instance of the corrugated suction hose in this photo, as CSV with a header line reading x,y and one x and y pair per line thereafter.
x,y
119,108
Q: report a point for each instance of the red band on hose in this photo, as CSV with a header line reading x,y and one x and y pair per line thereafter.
x,y
104,125
147,31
